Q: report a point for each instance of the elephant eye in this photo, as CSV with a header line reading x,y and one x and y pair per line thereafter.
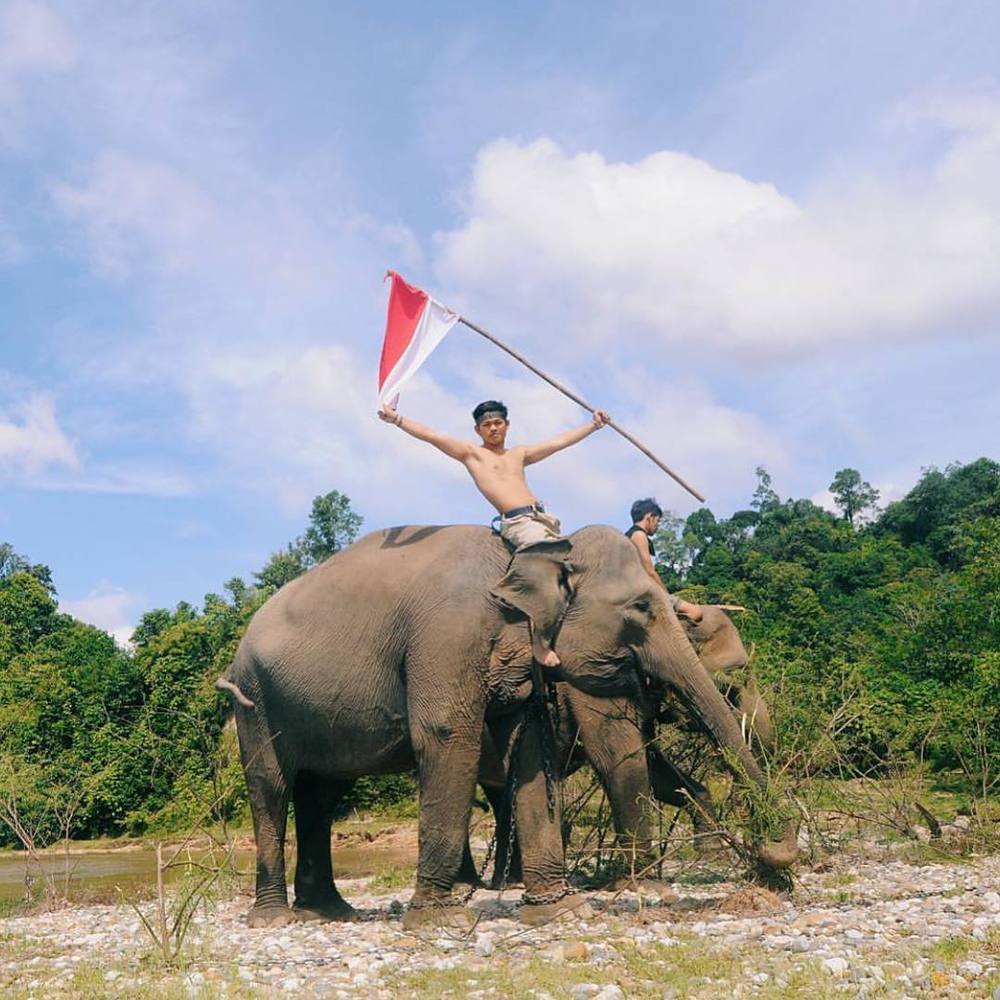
x,y
642,606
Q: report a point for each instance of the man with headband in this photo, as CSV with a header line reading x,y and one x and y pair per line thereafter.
x,y
498,472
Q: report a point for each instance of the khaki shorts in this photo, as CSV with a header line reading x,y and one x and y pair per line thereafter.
x,y
528,529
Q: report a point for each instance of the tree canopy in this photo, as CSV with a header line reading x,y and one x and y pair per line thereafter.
x,y
894,612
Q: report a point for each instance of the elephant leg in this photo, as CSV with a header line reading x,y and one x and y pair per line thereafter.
x,y
268,792
506,840
316,895
546,894
468,874
448,762
627,786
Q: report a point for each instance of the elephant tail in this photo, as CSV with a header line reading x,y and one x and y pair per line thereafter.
x,y
226,685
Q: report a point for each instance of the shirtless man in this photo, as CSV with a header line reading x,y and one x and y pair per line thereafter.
x,y
498,472
646,516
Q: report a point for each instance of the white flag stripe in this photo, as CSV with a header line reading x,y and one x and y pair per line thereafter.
x,y
435,322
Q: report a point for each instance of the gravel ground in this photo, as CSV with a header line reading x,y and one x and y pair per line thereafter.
x,y
859,929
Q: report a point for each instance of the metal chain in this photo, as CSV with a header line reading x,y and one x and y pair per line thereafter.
x,y
511,796
439,903
490,848
545,898
548,746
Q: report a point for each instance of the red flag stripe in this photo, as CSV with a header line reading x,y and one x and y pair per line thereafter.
x,y
406,304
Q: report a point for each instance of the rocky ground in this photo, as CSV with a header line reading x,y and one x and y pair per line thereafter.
x,y
856,928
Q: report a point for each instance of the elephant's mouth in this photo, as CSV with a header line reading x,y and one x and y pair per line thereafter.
x,y
604,674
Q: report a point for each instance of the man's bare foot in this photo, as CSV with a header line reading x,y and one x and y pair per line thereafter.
x,y
543,652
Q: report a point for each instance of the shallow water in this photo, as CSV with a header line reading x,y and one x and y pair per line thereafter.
x,y
100,872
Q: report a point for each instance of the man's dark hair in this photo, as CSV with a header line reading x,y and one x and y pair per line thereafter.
x,y
490,406
643,507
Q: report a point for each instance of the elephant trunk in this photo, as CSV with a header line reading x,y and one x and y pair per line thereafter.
x,y
670,658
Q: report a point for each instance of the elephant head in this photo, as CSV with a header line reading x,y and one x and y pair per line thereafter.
x,y
619,620
720,648
538,585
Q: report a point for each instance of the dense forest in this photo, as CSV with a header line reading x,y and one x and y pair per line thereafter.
x,y
875,633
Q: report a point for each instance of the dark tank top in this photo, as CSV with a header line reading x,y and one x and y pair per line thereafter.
x,y
649,541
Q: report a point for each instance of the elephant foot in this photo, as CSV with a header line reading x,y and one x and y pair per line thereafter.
x,y
333,911
572,907
457,917
270,916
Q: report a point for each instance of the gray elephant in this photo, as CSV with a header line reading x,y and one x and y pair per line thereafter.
x,y
617,737
395,652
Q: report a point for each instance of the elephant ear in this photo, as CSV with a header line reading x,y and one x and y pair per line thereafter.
x,y
539,584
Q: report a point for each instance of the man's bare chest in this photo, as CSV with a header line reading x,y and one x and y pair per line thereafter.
x,y
507,466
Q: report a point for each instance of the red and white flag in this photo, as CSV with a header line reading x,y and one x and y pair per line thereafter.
x,y
414,325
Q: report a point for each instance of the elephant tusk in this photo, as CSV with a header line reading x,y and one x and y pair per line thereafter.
x,y
223,685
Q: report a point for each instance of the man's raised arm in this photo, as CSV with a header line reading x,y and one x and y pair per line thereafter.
x,y
536,452
452,447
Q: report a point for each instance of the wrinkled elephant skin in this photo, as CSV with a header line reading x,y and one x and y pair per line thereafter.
x,y
394,653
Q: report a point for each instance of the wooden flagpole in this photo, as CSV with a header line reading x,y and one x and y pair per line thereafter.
x,y
580,402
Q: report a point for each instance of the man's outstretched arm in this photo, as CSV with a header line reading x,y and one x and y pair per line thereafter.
x,y
452,447
536,452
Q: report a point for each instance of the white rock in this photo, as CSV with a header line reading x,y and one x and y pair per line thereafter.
x,y
484,944
836,965
111,976
760,977
971,969
610,992
585,990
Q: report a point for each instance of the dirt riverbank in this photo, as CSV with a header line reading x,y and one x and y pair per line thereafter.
x,y
856,927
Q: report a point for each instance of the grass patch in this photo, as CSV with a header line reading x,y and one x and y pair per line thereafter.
x,y
691,969
953,949
838,880
394,877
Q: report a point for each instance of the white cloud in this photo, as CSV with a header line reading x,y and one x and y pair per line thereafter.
x,y
109,607
134,210
698,256
31,439
129,478
34,40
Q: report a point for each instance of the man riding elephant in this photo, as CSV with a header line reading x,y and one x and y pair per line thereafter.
x,y
498,472
714,637
395,652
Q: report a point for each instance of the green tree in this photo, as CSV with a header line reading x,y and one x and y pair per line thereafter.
x,y
932,512
673,551
852,494
764,496
27,613
11,563
332,525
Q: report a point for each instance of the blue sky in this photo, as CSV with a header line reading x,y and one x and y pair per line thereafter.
x,y
757,233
